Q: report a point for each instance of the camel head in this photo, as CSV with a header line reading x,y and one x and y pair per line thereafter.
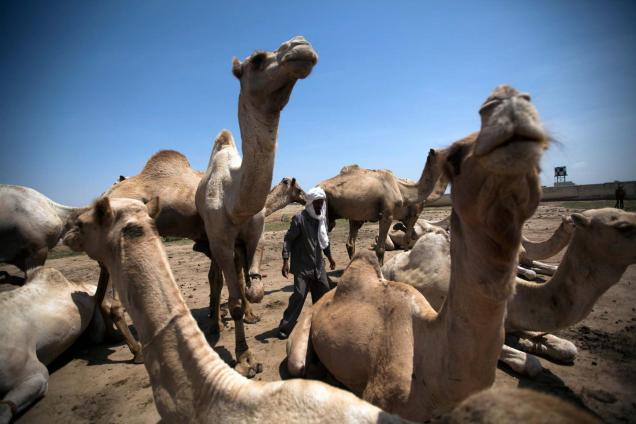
x,y
99,228
291,189
267,78
610,233
495,172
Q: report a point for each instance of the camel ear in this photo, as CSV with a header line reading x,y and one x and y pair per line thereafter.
x,y
153,207
293,182
580,220
121,178
237,69
435,180
103,212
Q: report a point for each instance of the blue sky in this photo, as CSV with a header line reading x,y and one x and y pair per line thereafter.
x,y
90,90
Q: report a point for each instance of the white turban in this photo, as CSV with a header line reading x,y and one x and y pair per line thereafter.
x,y
317,193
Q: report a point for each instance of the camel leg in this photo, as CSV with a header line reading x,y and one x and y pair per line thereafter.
x,y
526,273
543,268
30,389
117,315
546,345
385,226
354,226
34,260
298,346
520,362
240,263
215,278
114,312
245,363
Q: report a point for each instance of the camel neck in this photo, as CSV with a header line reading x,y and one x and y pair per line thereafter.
x,y
568,297
182,367
259,132
547,248
275,202
473,314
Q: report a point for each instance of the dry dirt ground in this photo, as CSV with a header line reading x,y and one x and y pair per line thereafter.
x,y
99,384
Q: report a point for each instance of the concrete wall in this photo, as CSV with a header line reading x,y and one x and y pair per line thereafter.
x,y
576,192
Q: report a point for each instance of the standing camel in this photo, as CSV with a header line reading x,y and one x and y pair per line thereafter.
x,y
360,195
232,193
382,339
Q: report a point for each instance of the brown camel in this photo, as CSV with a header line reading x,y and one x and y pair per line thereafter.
x,y
231,195
382,339
361,195
190,382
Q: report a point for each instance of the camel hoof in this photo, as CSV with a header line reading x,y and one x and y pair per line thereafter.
x,y
139,358
251,318
246,366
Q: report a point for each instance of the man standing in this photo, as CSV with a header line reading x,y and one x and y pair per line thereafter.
x,y
305,241
620,196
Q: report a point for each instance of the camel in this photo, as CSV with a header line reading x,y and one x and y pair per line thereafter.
x,y
361,195
232,193
531,251
168,174
588,269
396,239
40,320
381,338
190,382
31,224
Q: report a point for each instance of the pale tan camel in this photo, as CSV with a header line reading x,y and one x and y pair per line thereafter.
x,y
190,382
232,193
30,225
361,195
168,175
40,320
382,339
600,250
531,251
398,240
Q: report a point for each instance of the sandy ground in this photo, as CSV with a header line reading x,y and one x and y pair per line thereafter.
x,y
99,384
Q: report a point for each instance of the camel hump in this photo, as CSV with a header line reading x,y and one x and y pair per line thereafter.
x,y
166,162
44,273
223,139
349,168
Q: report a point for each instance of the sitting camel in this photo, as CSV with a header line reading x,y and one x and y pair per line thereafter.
x,y
190,382
232,193
602,247
531,251
40,320
30,225
381,338
362,195
397,239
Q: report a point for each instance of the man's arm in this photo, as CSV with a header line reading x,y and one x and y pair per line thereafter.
x,y
327,252
292,234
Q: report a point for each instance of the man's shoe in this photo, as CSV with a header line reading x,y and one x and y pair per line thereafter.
x,y
282,335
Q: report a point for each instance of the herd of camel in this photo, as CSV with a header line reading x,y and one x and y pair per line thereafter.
x,y
415,338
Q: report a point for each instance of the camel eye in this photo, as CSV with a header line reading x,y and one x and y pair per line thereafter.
x,y
525,96
489,105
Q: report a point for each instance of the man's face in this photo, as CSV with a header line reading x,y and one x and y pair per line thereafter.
x,y
318,205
